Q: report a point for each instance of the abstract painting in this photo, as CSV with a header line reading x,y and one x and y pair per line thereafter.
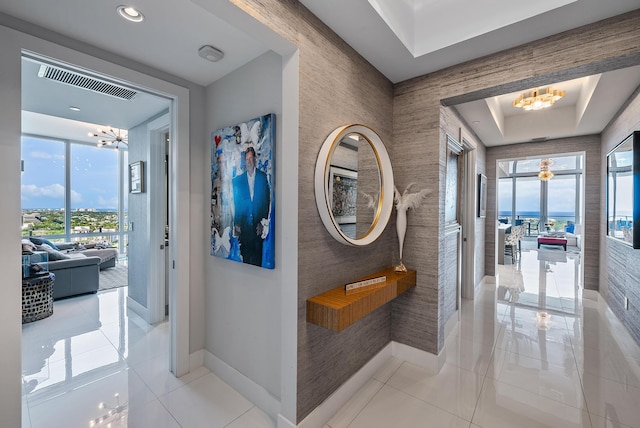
x,y
243,192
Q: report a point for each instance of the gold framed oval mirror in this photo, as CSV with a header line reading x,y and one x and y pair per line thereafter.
x,y
354,185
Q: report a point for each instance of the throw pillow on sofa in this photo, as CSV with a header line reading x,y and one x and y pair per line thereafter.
x,y
54,255
40,241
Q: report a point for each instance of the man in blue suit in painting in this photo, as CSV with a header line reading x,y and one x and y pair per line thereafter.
x,y
251,197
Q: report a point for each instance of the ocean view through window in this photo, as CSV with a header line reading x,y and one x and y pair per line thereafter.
x,y
543,206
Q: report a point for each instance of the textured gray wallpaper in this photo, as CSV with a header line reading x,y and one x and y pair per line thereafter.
x,y
338,87
620,264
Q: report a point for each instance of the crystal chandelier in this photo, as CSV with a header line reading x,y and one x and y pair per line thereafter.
x,y
538,99
545,170
110,137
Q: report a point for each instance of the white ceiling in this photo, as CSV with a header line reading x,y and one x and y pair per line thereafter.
x,y
409,38
168,39
588,106
429,35
360,25
415,22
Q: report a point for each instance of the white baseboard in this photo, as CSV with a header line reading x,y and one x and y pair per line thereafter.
x,y
432,363
285,423
329,407
591,295
451,324
488,279
138,308
245,386
196,359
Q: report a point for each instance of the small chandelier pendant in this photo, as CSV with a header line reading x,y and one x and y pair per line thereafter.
x,y
110,137
545,169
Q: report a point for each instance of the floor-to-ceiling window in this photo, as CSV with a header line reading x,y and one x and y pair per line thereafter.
x,y
541,205
73,191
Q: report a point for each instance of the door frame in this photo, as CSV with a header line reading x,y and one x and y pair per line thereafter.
x,y
468,211
179,207
158,203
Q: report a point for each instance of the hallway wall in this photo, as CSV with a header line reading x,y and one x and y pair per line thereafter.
x,y
620,264
243,301
419,148
337,87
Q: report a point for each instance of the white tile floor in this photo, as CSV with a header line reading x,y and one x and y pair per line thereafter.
x,y
92,351
506,366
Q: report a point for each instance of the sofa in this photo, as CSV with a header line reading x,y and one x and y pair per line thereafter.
x,y
74,276
107,255
77,271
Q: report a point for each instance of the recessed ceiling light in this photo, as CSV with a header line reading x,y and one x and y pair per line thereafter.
x,y
210,53
130,13
74,108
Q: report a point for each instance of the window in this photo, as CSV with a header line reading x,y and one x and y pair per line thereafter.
x,y
527,197
43,187
79,197
540,205
505,196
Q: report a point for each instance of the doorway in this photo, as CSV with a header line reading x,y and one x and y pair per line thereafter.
x,y
453,223
545,204
178,206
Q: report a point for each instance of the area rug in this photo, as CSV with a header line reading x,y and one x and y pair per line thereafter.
x,y
114,277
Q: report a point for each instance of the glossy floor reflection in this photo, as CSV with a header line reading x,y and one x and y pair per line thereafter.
x,y
528,352
93,363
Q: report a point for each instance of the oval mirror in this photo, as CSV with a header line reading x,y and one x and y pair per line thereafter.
x,y
354,185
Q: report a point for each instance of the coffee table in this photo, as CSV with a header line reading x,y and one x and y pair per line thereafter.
x,y
552,240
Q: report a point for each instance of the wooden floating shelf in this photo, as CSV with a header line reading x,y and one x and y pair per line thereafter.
x,y
336,310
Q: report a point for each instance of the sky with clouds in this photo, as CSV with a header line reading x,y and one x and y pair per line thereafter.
x,y
94,173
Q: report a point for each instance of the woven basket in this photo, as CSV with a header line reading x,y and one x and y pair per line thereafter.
x,y
37,298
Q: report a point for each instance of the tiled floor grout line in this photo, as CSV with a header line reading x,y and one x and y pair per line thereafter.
x,y
373,396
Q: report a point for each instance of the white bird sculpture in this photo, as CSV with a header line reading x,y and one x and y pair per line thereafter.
x,y
404,201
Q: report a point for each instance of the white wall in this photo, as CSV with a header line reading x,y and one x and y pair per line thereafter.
x,y
139,260
243,302
10,303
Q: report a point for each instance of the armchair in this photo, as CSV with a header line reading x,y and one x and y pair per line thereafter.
x,y
573,233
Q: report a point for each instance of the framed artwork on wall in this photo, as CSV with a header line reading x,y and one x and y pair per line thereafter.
x,y
136,177
243,192
482,195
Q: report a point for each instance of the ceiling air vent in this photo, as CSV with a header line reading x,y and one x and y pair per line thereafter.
x,y
85,82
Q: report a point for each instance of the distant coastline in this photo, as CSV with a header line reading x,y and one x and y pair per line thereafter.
x,y
74,209
536,214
